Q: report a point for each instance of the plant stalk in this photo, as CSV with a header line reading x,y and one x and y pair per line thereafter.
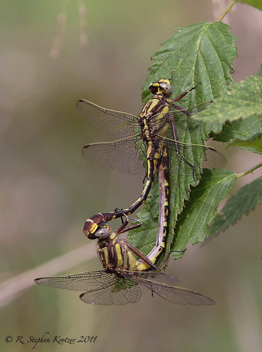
x,y
249,171
227,10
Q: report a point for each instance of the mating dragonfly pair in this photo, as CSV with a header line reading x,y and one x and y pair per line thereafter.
x,y
148,135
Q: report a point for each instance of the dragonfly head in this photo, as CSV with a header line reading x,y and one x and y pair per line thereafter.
x,y
96,226
163,86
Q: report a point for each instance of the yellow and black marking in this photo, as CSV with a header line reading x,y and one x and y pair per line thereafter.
x,y
118,283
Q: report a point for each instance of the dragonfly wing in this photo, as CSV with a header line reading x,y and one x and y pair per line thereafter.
x,y
100,287
174,294
214,159
121,155
188,131
110,122
195,154
94,280
123,291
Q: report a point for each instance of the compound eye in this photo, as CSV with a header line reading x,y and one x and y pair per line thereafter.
x,y
103,232
167,88
153,88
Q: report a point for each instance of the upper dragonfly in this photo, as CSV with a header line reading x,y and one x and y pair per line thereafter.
x,y
147,134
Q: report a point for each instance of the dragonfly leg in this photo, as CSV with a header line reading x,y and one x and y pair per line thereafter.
x,y
184,111
123,227
188,163
141,255
186,92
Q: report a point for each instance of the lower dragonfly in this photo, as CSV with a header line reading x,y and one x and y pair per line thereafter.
x,y
118,283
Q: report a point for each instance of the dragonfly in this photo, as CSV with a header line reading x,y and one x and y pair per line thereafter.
x,y
147,134
119,282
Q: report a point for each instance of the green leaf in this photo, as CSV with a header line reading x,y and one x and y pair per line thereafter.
x,y
240,129
253,144
237,205
242,100
192,224
255,3
202,52
199,53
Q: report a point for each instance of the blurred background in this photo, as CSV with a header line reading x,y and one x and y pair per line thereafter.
x,y
48,189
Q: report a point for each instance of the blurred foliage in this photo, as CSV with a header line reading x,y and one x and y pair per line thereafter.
x,y
242,202
48,190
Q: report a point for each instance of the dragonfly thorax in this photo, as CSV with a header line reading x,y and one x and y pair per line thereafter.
x,y
153,118
114,254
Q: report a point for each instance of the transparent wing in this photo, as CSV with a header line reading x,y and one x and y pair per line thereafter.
x,y
124,155
212,158
101,287
121,155
120,124
197,156
172,293
113,123
188,130
123,291
93,280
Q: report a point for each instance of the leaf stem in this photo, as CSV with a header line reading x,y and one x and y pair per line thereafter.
x,y
227,10
249,171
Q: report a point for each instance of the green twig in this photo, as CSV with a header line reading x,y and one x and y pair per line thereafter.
x,y
249,171
227,10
